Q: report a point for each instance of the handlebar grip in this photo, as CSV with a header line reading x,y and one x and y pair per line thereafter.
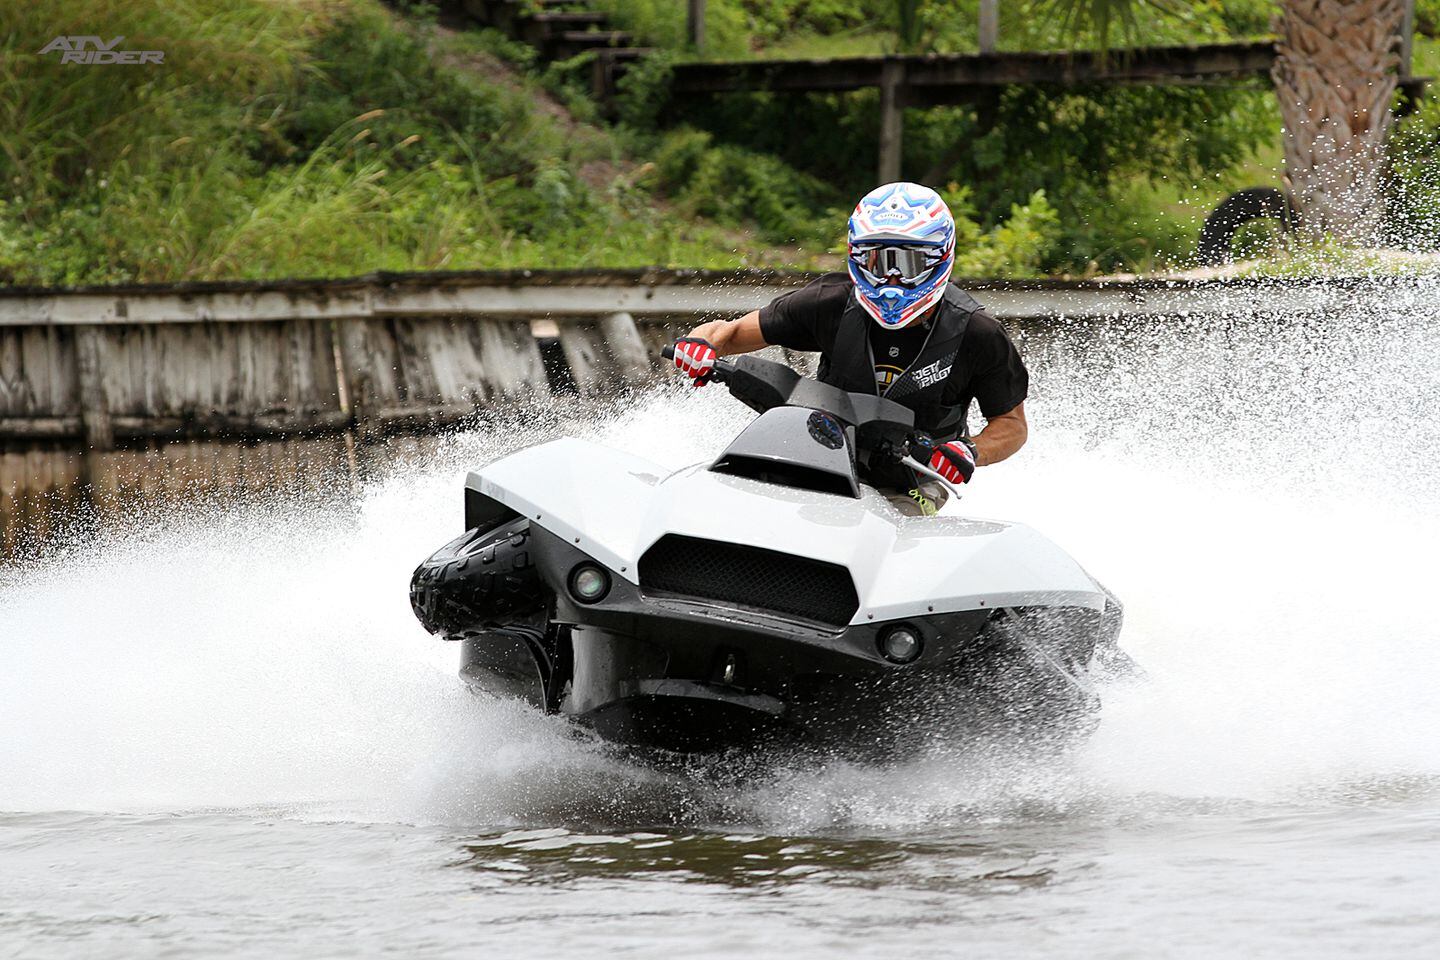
x,y
719,373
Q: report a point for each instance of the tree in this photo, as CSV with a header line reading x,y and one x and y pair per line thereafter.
x,y
1334,75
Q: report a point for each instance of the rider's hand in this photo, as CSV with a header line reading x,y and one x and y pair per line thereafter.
x,y
955,461
695,358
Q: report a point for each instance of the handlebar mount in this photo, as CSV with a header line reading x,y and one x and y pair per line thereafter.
x,y
883,430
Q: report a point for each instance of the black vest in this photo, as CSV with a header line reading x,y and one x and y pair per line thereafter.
x,y
850,363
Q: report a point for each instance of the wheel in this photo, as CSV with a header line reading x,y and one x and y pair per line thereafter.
x,y
482,578
1236,210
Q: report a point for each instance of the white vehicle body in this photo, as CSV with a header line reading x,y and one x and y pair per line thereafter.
x,y
615,506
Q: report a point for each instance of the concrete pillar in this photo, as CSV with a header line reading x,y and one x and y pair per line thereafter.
x,y
892,118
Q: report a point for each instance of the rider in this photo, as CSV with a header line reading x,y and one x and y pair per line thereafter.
x,y
930,347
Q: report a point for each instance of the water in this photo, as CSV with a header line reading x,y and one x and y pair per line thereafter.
x,y
222,733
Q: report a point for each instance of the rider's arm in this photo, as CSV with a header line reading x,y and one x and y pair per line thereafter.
x,y
1003,435
732,336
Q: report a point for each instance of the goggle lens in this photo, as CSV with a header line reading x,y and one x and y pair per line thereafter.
x,y
909,265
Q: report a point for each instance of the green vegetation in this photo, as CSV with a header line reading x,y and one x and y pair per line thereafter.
x,y
335,137
308,139
779,29
1128,174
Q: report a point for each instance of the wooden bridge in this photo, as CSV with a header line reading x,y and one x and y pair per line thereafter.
x,y
565,28
939,79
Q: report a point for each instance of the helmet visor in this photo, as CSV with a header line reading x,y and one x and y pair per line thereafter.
x,y
888,263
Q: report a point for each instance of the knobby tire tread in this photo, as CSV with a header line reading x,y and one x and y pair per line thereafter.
x,y
481,579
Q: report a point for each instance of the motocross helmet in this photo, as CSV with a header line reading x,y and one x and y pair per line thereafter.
x,y
901,252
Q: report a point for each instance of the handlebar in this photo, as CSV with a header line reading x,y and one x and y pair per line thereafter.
x,y
885,431
720,373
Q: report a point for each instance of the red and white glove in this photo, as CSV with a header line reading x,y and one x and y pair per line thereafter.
x,y
695,358
955,461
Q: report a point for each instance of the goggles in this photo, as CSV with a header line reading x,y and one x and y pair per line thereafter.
x,y
882,263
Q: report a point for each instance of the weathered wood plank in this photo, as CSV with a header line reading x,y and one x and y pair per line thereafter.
x,y
626,347
94,407
41,428
1199,63
37,375
512,359
591,367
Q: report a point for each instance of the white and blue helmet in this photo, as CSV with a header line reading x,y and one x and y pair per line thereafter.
x,y
902,249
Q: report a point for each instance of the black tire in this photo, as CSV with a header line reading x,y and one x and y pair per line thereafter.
x,y
1236,210
483,578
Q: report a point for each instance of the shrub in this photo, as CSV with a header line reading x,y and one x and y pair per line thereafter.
x,y
734,186
1414,180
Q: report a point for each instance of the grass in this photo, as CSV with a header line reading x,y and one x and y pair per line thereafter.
x,y
336,137
311,138
333,137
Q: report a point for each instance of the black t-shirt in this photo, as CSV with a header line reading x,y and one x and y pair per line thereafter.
x,y
988,368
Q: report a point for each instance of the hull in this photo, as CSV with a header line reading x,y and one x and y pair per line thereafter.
x,y
774,614
658,670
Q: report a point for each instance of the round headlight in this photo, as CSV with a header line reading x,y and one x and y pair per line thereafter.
x,y
901,644
589,583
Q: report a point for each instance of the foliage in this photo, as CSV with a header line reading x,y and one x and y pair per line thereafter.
x,y
1249,18
1019,247
1427,18
644,92
734,186
329,137
1103,21
1086,150
1414,179
800,28
304,139
1095,154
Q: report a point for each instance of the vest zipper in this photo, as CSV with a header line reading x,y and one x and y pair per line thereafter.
x,y
906,372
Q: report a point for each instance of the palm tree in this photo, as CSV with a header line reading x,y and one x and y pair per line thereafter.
x,y
1334,74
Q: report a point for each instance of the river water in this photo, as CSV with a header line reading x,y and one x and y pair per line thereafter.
x,y
222,733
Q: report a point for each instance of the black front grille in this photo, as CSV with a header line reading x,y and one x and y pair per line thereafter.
x,y
749,577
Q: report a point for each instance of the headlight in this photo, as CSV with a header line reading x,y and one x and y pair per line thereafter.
x,y
901,644
589,583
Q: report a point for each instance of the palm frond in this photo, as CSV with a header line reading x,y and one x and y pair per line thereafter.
x,y
1104,20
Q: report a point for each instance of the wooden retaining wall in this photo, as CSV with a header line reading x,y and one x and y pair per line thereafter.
x,y
116,393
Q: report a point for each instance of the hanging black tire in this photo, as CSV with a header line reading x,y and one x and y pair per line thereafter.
x,y
1236,210
483,578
